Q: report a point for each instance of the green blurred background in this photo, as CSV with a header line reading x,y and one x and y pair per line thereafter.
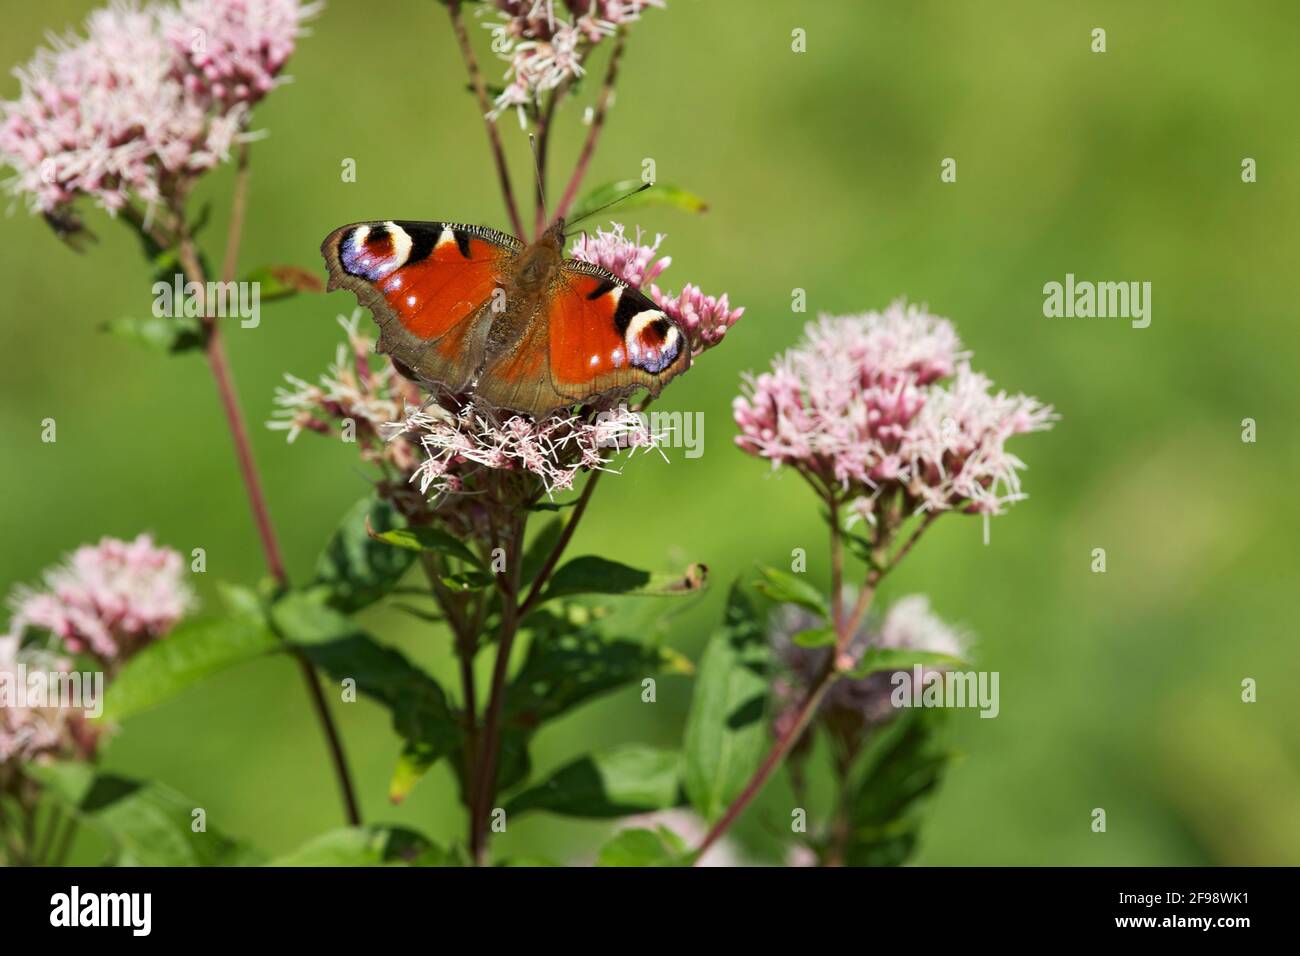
x,y
1119,690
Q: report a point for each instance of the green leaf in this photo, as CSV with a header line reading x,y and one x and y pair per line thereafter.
x,y
594,575
149,824
281,282
539,549
563,670
468,581
639,847
878,659
366,846
784,588
901,770
357,569
420,712
553,505
816,637
660,194
194,651
430,539
160,334
615,783
726,731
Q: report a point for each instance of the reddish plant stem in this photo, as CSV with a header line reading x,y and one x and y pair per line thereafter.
x,y
837,564
557,552
489,757
238,209
593,134
485,107
221,375
808,706
774,757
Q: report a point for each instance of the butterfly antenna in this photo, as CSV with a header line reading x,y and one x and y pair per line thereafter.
x,y
587,215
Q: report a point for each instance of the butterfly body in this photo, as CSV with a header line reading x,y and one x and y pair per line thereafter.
x,y
519,326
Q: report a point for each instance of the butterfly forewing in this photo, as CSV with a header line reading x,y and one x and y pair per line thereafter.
x,y
429,286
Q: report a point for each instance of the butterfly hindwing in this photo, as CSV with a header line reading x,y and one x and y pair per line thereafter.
x,y
606,336
429,285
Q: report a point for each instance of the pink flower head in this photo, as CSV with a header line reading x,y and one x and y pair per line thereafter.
x,y
148,96
544,49
32,731
233,51
459,442
107,599
703,318
630,259
105,116
861,405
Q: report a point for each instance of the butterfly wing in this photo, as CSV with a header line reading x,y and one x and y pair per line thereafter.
x,y
593,337
430,287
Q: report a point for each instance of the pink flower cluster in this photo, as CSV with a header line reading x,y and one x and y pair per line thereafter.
x,y
38,731
704,319
555,449
149,95
442,446
544,49
108,599
888,400
360,387
232,51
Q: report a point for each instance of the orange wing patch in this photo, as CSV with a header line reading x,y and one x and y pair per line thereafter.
x,y
428,285
608,337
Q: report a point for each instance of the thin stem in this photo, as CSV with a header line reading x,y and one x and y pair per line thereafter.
x,y
485,108
593,134
220,367
552,559
773,759
837,564
845,630
544,121
489,756
465,636
65,842
238,208
52,823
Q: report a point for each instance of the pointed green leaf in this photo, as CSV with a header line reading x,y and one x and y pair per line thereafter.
x,y
640,847
564,670
816,637
357,569
595,575
660,194
158,333
430,539
785,588
614,783
192,652
366,846
877,659
420,712
901,770
726,730
149,824
281,282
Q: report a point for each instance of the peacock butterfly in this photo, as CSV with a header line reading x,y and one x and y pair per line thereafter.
x,y
518,326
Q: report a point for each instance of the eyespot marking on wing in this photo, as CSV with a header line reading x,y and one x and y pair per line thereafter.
x,y
374,252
